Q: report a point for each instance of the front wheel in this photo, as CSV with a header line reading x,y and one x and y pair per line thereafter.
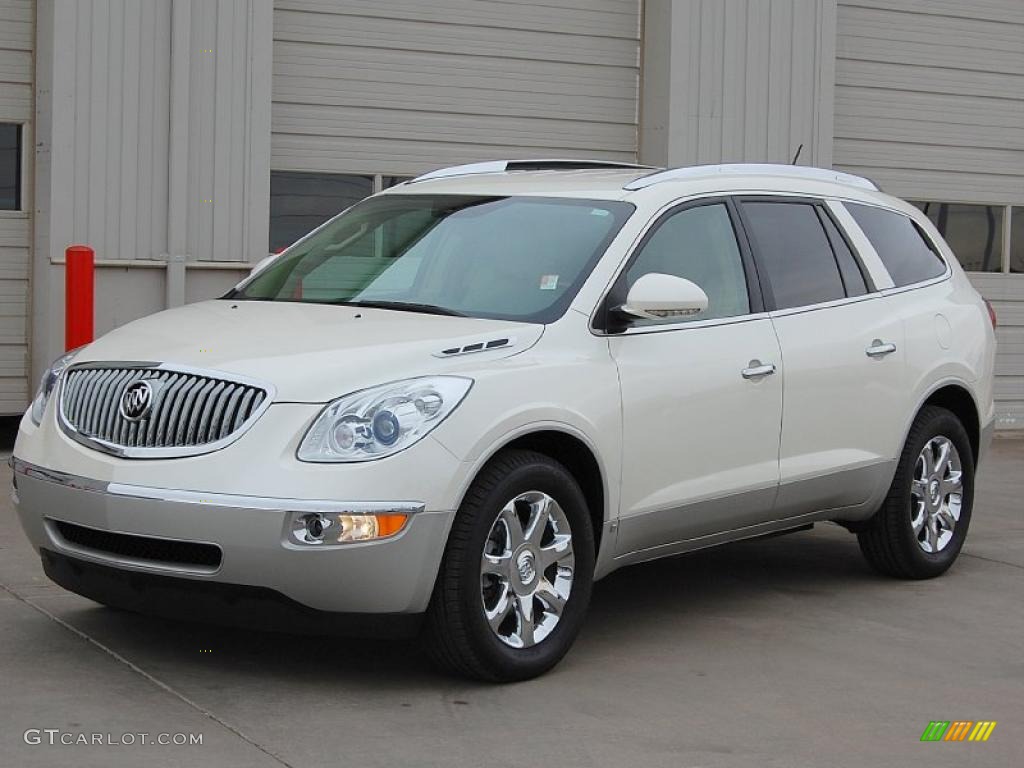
x,y
918,532
517,572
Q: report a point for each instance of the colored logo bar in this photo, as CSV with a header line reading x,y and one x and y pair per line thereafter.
x,y
958,730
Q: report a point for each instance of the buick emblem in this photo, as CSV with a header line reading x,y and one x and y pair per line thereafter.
x,y
137,401
527,566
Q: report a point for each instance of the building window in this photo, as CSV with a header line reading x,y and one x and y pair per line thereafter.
x,y
389,181
974,232
300,202
10,167
1017,239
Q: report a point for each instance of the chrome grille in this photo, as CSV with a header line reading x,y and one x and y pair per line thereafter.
x,y
192,411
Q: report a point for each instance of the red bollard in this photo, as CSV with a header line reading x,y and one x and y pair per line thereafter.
x,y
78,296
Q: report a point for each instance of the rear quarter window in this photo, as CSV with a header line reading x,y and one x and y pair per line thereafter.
x,y
904,249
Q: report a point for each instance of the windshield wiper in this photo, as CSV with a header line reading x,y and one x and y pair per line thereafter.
x,y
404,306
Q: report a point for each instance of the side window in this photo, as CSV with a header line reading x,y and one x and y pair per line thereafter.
x,y
849,268
795,252
699,244
10,167
902,247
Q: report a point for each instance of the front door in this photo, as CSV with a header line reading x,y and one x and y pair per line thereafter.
x,y
702,399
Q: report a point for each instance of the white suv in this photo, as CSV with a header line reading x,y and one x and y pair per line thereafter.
x,y
454,406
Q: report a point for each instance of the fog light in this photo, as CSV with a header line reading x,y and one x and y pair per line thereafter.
x,y
325,528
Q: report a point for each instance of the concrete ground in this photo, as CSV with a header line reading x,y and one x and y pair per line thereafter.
x,y
781,652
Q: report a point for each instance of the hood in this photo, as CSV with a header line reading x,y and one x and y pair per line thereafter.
x,y
310,352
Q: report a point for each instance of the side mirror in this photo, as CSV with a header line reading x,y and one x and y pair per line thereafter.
x,y
656,296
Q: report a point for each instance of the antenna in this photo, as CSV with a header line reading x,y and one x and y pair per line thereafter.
x,y
797,155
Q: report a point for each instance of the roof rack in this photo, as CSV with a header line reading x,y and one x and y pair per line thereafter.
x,y
500,166
751,169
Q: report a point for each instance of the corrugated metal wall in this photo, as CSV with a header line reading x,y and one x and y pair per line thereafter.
x,y
115,112
930,97
17,18
228,178
399,87
738,81
153,140
930,103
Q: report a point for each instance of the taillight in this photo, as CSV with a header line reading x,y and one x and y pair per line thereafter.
x,y
991,313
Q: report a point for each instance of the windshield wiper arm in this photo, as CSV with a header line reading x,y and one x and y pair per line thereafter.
x,y
406,306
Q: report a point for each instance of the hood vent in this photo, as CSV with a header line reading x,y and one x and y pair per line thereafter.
x,y
477,346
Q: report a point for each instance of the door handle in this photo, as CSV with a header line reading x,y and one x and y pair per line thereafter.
x,y
756,370
879,349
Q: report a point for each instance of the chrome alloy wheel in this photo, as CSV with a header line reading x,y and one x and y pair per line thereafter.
x,y
936,494
526,570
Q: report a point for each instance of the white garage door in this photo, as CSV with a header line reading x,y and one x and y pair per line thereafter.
x,y
930,97
930,103
397,87
17,18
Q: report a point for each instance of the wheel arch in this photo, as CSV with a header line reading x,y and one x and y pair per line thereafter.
x,y
571,449
955,396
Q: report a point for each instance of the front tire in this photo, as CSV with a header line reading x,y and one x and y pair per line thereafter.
x,y
517,573
921,527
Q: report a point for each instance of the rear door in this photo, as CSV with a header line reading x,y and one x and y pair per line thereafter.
x,y
842,352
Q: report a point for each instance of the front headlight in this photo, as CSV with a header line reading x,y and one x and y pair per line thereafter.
x,y
381,421
49,383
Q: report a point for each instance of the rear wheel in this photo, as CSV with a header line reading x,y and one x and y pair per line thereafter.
x,y
921,527
517,572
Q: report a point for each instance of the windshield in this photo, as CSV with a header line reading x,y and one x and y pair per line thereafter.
x,y
510,258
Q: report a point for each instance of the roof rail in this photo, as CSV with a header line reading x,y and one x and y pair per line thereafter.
x,y
500,166
751,169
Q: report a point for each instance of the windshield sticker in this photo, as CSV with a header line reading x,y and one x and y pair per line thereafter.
x,y
600,212
548,282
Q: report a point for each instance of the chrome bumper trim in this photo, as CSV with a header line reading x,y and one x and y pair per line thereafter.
x,y
212,499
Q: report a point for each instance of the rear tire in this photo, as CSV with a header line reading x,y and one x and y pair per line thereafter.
x,y
922,524
517,572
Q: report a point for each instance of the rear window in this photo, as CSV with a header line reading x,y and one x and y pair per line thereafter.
x,y
900,244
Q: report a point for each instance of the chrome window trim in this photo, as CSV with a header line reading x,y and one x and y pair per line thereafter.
x,y
923,284
168,452
231,500
824,305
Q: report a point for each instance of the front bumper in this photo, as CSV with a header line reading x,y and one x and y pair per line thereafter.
x,y
235,605
389,576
